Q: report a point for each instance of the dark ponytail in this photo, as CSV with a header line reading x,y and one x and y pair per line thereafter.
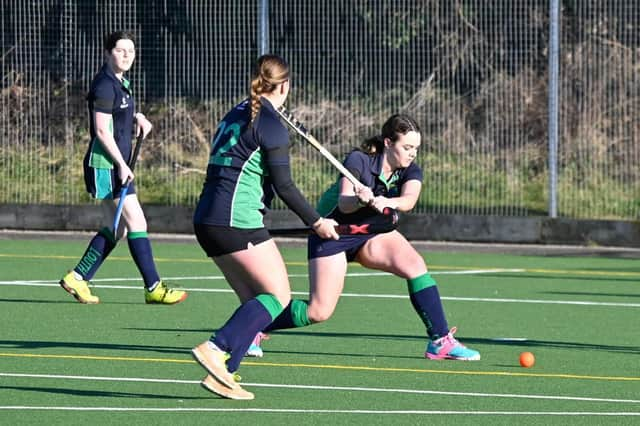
x,y
396,125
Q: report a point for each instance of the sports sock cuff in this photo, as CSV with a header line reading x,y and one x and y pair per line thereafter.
x,y
299,314
137,234
271,304
420,283
108,234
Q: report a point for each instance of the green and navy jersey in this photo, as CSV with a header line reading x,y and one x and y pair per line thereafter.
x,y
246,159
367,168
109,95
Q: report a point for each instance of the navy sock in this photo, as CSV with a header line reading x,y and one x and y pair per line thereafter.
x,y
97,251
238,332
140,249
425,299
293,316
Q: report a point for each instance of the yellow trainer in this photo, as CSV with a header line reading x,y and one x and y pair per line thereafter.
x,y
78,289
211,384
163,295
215,362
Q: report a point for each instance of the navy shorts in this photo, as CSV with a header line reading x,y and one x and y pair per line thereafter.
x,y
104,184
350,244
220,240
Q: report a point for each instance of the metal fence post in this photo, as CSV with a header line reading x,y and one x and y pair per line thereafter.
x,y
554,51
66,47
263,28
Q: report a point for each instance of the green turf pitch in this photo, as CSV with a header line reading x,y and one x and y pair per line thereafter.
x,y
125,362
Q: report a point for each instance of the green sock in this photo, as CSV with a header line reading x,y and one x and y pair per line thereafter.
x,y
294,316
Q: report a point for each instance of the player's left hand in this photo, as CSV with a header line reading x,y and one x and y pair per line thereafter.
x,y
143,125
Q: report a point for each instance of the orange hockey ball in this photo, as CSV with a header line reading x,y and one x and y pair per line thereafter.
x,y
527,359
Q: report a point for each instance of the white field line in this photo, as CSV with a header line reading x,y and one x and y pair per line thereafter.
x,y
48,283
332,388
308,411
220,277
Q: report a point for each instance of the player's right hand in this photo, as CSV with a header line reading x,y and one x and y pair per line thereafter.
x,y
326,229
143,125
381,202
125,174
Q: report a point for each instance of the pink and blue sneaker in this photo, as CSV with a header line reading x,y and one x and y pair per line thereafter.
x,y
448,347
255,350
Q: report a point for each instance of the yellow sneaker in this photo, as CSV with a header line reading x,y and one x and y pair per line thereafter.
x,y
215,362
78,289
211,384
164,295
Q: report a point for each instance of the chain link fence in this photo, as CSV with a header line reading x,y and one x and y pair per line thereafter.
x,y
474,76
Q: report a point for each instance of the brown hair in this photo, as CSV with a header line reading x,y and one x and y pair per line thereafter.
x,y
270,71
396,125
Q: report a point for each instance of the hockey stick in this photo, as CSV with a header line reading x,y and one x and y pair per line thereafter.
x,y
125,187
302,131
386,222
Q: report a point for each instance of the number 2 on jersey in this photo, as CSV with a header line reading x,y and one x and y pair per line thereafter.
x,y
217,152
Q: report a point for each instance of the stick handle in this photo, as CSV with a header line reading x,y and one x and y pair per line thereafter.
x,y
386,222
125,187
136,151
116,219
302,131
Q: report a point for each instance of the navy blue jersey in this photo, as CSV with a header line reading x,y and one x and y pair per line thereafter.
x,y
109,95
245,160
367,169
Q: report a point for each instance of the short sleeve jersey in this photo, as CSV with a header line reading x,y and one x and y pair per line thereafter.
x,y
109,95
368,169
237,189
